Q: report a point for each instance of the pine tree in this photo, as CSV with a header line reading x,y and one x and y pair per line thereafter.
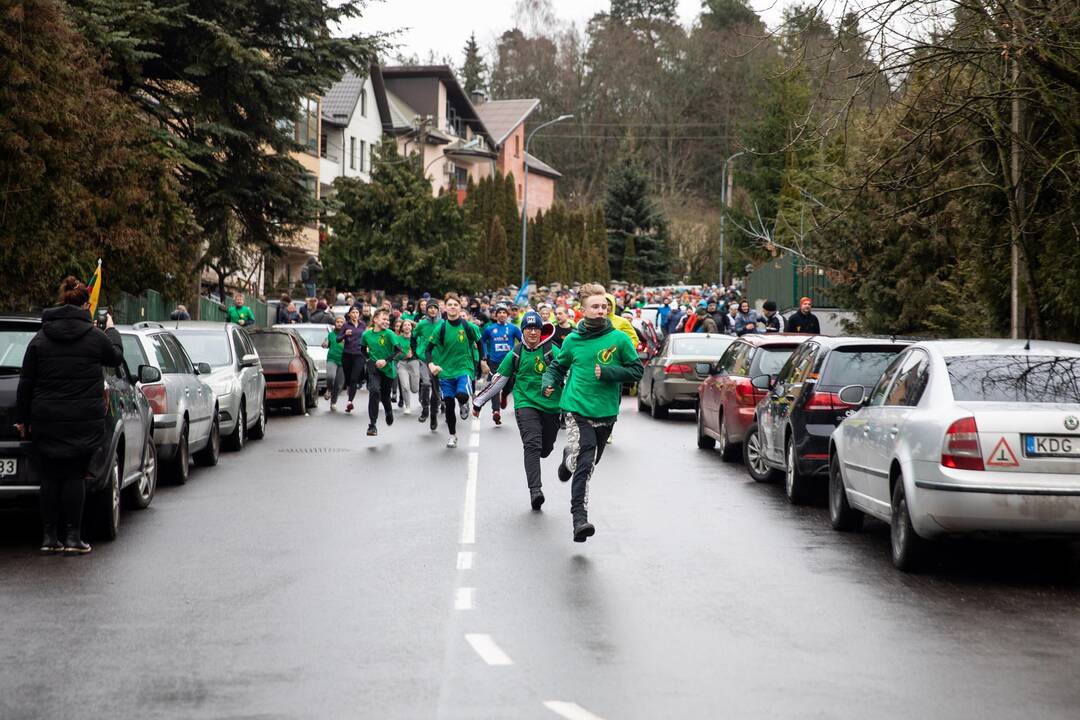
x,y
474,69
599,245
495,263
630,261
538,236
630,213
508,213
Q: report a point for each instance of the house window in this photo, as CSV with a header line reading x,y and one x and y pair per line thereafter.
x,y
517,146
322,146
363,102
307,125
461,178
363,152
519,192
352,153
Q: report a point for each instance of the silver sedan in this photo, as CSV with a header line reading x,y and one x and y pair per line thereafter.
x,y
962,436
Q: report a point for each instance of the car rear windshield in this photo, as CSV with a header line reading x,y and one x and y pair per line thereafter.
x,y
13,342
770,358
272,344
857,365
314,336
705,346
1015,378
211,346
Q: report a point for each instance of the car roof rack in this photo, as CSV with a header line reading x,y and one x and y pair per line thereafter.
x,y
144,324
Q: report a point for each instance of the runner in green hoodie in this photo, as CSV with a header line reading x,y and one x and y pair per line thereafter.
x,y
429,386
599,359
451,355
382,349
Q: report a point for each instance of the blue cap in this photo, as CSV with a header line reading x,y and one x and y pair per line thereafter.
x,y
532,319
702,303
426,296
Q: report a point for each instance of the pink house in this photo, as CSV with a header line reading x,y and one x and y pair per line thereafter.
x,y
505,121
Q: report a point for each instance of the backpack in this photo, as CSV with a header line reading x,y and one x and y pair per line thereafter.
x,y
469,329
549,354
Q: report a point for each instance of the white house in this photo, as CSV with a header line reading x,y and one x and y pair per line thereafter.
x,y
351,128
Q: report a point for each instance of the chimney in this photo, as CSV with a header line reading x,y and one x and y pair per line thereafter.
x,y
478,97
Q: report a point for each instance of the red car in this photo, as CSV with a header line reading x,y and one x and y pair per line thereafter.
x,y
291,375
726,399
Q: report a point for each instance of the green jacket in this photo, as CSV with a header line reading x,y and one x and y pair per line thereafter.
x,y
581,352
529,380
454,348
236,314
334,348
382,345
422,332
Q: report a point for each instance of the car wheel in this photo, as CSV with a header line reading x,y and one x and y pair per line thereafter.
x,y
729,451
641,406
140,495
300,404
796,485
208,456
754,460
842,516
908,549
178,469
705,442
313,398
259,431
239,435
103,508
656,410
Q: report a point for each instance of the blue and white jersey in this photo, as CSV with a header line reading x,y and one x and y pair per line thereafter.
x,y
499,340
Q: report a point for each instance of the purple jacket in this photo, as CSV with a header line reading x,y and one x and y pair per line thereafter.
x,y
352,342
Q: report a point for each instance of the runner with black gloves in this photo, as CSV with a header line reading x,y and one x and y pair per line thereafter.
x,y
599,360
522,372
449,355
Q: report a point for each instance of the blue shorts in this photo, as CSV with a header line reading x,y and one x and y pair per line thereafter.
x,y
452,387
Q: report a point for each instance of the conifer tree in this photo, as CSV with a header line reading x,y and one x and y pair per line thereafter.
x,y
474,69
630,213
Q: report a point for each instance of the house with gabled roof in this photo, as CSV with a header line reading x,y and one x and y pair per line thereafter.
x,y
352,127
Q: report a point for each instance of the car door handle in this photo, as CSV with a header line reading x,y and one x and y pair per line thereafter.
x,y
894,431
866,430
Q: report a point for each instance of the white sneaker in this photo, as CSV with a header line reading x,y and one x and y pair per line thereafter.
x,y
407,411
333,407
452,442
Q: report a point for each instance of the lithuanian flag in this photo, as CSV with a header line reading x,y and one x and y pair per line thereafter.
x,y
94,286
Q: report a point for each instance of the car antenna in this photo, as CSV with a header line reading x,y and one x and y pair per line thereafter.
x,y
1027,345
892,338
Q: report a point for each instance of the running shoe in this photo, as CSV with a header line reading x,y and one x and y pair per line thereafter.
x,y
407,411
389,418
537,499
372,430
423,416
349,407
452,442
463,411
333,407
583,530
497,417
564,472
434,422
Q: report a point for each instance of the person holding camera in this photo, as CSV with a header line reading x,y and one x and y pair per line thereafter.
x,y
61,411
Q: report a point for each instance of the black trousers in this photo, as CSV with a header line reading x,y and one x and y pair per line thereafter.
x,y
538,432
354,372
585,443
379,387
450,408
63,490
430,394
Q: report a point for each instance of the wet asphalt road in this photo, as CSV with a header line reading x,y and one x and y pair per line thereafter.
x,y
323,574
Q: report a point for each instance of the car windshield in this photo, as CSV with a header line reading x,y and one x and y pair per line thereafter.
x,y
210,346
706,346
13,344
1015,378
770,358
313,336
857,365
272,344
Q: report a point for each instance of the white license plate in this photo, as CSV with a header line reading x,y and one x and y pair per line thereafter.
x,y
1052,446
9,466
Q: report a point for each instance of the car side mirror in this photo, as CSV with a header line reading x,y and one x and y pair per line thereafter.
x,y
853,395
703,368
761,382
203,368
249,360
149,374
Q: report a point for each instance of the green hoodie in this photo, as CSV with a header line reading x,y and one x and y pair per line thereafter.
x,y
529,381
454,348
422,331
382,345
581,352
334,348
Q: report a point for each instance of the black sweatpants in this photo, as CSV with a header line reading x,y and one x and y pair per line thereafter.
x,y
538,432
585,443
430,396
379,387
450,408
354,366
63,490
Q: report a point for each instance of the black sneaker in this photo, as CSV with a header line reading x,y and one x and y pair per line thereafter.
x,y
434,422
497,417
583,530
389,418
423,416
74,544
372,430
564,472
463,411
50,544
537,499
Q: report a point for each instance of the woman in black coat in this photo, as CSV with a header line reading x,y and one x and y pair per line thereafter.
x,y
61,408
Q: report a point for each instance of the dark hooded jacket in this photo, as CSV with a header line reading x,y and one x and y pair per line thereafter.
x,y
61,386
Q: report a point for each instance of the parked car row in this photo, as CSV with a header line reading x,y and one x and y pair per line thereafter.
x,y
937,438
179,395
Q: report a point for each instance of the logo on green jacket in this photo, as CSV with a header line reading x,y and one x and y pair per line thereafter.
x,y
382,339
604,356
539,366
461,335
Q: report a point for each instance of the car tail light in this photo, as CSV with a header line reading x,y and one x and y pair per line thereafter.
x,y
961,448
678,369
296,366
157,397
746,394
825,401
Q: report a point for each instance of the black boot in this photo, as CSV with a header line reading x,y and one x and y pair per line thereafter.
x,y
73,543
537,498
583,529
51,544
434,421
423,414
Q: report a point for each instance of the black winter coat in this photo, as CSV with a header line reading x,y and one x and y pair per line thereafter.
x,y
800,323
61,387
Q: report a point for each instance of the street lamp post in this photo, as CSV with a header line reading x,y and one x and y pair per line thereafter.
x,y
725,200
525,192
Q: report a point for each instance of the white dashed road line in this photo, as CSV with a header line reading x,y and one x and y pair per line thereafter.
x,y
488,651
463,600
569,710
468,525
464,560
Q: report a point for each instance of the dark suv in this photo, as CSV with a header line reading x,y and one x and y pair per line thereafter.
x,y
128,464
797,417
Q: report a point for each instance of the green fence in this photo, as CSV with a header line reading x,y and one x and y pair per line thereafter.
x,y
127,308
787,278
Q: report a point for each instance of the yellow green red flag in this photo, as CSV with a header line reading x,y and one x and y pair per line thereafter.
x,y
94,286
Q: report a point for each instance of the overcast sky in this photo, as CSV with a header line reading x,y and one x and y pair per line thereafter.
x,y
444,26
